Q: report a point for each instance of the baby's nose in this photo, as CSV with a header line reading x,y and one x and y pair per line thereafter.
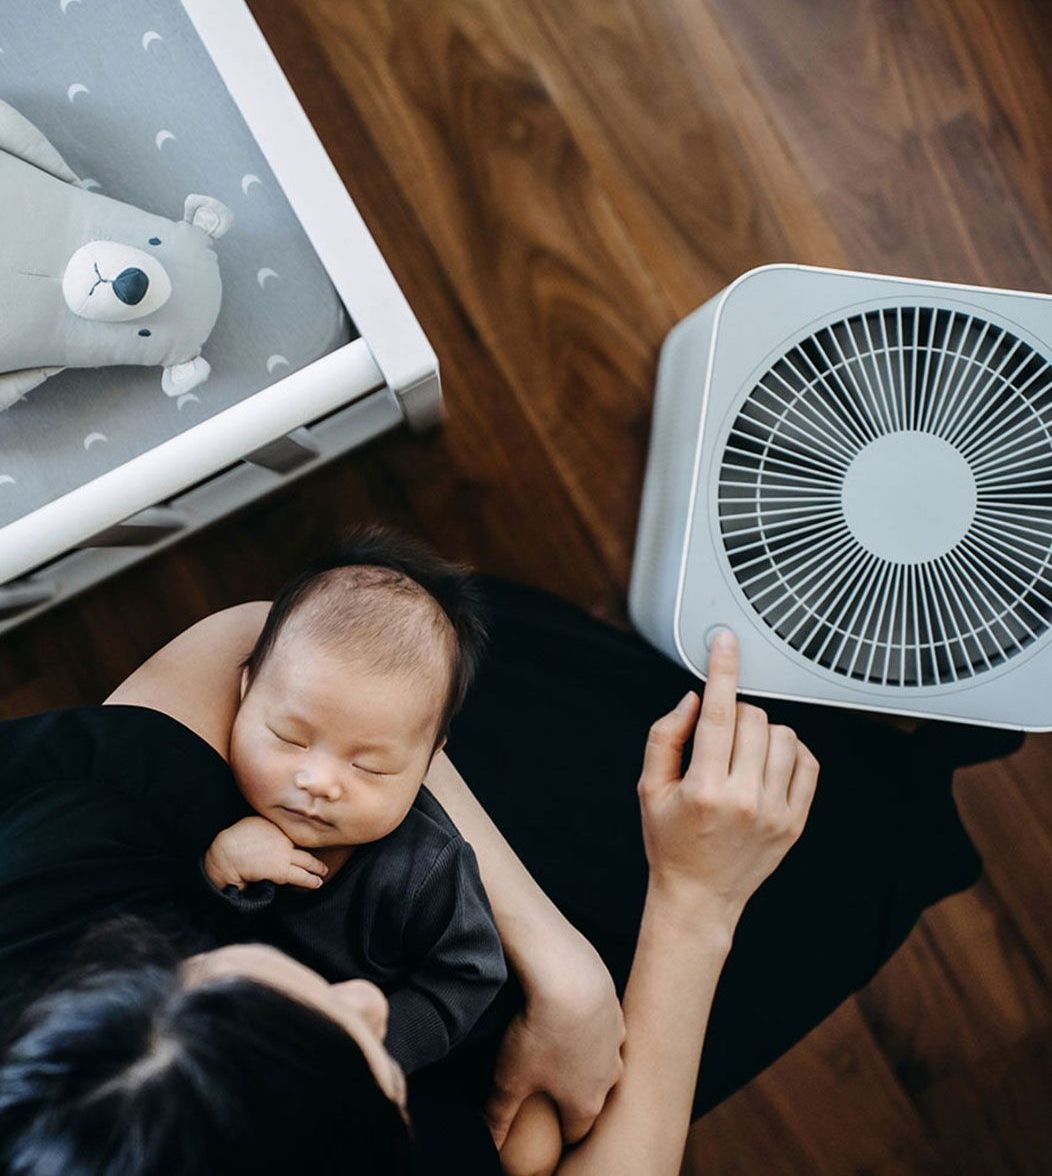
x,y
318,784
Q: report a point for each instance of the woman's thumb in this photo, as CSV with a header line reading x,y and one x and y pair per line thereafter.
x,y
663,757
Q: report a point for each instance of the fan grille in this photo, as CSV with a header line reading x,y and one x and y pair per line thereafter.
x,y
977,591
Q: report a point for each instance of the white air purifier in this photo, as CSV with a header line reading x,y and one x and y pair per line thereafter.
x,y
854,473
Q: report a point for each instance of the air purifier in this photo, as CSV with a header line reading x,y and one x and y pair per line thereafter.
x,y
854,473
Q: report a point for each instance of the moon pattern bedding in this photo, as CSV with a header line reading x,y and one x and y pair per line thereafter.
x,y
129,98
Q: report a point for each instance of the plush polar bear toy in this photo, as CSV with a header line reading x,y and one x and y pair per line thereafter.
x,y
87,281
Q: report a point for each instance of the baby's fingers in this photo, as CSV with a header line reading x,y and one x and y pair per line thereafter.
x,y
306,861
298,876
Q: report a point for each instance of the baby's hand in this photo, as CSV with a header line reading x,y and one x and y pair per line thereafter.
x,y
256,849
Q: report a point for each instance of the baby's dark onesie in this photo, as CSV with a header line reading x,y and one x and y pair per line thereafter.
x,y
409,913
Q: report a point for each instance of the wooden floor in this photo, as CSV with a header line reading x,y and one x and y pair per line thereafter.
x,y
555,183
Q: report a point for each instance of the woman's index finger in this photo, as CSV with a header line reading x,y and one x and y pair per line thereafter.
x,y
714,741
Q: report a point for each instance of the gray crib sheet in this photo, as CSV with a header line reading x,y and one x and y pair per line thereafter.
x,y
102,79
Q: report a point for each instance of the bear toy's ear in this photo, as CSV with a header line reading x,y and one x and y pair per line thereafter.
x,y
209,214
182,377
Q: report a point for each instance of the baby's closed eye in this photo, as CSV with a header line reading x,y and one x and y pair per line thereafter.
x,y
285,738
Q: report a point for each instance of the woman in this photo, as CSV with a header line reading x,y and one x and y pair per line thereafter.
x,y
711,835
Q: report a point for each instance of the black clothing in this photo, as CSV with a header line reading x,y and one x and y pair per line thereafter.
x,y
103,810
407,912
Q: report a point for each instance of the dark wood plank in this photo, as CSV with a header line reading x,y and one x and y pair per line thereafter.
x,y
831,1105
963,1015
999,813
555,287
688,154
885,110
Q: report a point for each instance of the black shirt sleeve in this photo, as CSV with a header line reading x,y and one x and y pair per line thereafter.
x,y
103,812
253,900
456,965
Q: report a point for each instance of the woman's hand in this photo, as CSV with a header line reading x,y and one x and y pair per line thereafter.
x,y
714,833
566,1042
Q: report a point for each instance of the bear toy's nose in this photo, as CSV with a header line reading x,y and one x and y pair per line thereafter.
x,y
91,291
130,286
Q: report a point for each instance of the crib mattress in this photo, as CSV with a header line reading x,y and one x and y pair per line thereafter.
x,y
131,98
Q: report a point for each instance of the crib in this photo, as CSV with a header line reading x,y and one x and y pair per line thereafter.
x,y
315,351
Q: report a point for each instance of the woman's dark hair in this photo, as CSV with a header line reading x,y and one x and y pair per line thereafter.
x,y
400,558
125,1071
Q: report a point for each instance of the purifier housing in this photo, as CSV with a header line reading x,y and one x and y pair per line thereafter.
x,y
854,473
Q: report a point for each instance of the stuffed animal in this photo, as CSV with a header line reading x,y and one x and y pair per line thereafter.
x,y
87,281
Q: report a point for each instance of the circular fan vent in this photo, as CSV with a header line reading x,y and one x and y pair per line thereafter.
x,y
885,496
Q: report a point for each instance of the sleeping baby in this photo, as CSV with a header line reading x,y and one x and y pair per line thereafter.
x,y
352,866
349,863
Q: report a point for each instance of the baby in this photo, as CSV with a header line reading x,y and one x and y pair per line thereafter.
x,y
351,864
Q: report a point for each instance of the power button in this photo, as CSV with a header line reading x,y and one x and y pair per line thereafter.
x,y
712,633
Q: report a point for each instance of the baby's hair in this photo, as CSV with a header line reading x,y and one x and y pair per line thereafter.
x,y
387,598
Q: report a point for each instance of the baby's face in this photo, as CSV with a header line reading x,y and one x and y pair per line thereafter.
x,y
330,750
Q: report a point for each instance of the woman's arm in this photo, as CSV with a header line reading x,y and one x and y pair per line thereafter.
x,y
195,677
522,909
567,1041
711,837
642,1129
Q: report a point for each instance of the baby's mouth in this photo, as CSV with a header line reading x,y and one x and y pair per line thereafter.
x,y
305,816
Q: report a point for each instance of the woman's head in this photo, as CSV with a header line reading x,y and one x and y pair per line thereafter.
x,y
238,1061
357,1006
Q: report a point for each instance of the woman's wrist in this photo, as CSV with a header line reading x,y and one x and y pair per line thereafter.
x,y
692,910
684,939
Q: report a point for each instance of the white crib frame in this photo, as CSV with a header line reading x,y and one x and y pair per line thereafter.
x,y
387,376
